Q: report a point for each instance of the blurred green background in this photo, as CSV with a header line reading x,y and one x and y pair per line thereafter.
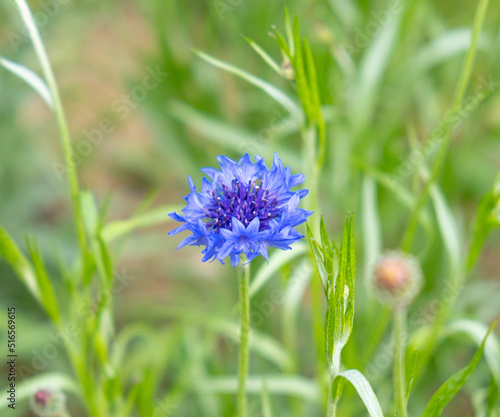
x,y
374,98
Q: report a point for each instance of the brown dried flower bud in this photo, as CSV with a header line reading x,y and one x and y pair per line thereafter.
x,y
48,402
397,278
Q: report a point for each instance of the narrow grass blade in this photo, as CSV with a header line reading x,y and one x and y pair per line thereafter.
x,y
119,228
48,296
449,232
31,78
487,218
269,89
18,262
265,56
303,89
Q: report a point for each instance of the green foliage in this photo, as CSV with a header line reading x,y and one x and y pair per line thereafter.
x,y
340,294
381,123
453,384
364,390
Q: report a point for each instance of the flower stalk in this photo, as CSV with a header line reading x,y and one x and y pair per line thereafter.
x,y
243,272
399,345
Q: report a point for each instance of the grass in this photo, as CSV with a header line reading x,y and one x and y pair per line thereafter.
x,y
391,113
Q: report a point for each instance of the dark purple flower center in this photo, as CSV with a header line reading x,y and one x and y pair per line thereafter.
x,y
244,201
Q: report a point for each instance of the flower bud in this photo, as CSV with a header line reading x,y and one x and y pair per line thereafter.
x,y
287,70
48,402
397,278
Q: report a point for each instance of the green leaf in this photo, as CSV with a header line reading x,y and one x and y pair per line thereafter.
x,y
300,72
364,390
280,40
340,306
450,388
48,298
30,77
475,331
487,219
493,396
319,259
318,114
89,267
289,30
21,266
269,89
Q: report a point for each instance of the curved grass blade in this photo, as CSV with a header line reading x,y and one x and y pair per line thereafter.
x,y
269,89
31,78
364,390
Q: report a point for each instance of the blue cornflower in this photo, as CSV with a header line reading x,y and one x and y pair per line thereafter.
x,y
243,209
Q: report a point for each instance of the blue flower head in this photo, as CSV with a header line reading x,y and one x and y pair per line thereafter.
x,y
243,208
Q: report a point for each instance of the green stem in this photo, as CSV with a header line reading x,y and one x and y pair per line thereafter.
x,y
243,271
48,73
310,155
399,345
